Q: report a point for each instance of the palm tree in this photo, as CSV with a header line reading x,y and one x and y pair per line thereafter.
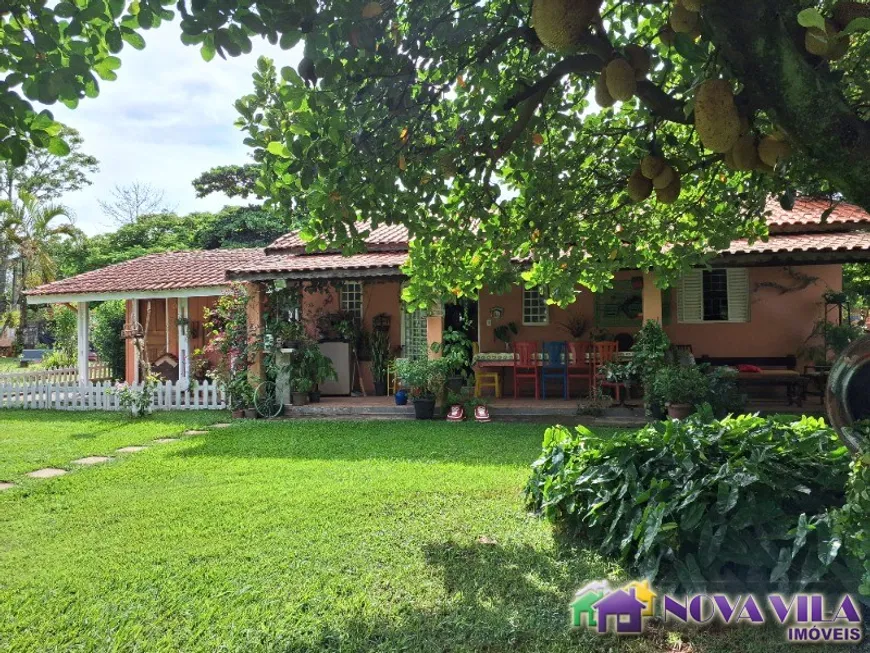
x,y
29,225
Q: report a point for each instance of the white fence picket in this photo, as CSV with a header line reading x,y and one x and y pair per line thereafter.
x,y
59,375
100,395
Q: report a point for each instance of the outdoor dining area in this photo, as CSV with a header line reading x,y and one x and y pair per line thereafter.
x,y
540,368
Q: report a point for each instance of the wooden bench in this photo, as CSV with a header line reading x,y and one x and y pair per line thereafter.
x,y
776,371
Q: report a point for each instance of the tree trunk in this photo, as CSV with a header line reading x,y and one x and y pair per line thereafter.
x,y
764,46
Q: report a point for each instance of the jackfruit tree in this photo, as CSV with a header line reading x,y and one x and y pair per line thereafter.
x,y
582,136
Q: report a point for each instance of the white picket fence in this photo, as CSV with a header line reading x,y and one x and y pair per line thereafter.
x,y
62,375
168,395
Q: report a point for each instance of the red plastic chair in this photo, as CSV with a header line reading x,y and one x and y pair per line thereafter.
x,y
526,366
605,352
581,365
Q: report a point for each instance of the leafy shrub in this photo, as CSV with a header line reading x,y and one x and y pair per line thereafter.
x,y
680,385
729,504
63,326
854,518
109,319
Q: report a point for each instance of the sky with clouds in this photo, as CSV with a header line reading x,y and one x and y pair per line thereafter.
x,y
168,117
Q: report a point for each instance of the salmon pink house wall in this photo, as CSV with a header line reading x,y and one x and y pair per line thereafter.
x,y
779,324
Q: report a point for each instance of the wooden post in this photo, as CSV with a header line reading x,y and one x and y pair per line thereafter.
x,y
652,299
183,313
434,330
256,305
134,319
83,347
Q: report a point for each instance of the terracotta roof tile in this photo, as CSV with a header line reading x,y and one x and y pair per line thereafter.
x,y
807,216
387,237
845,241
165,271
277,263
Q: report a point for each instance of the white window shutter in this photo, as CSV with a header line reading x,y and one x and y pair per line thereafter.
x,y
738,295
690,303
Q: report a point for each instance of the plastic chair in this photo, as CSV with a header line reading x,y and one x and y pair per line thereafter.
x,y
581,363
526,366
605,352
485,379
554,366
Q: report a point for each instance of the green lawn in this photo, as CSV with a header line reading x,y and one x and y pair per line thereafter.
x,y
8,365
293,536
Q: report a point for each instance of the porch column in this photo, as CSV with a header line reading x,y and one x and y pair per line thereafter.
x,y
652,299
256,300
83,348
183,342
134,320
434,329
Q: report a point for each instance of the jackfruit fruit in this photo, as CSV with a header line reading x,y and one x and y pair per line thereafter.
x,y
639,59
772,150
669,194
667,36
665,178
639,187
602,95
816,41
559,24
619,76
744,153
729,159
716,117
651,166
682,20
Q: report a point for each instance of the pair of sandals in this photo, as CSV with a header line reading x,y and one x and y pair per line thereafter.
x,y
457,414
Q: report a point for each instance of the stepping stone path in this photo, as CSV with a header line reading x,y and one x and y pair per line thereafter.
x,y
165,440
6,486
130,449
195,432
221,426
47,472
92,460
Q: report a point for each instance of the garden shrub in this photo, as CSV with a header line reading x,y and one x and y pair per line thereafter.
x,y
854,518
109,319
727,505
63,326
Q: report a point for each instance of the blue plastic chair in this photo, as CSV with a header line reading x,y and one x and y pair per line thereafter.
x,y
555,366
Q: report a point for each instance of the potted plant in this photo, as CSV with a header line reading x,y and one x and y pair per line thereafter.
x,y
576,325
300,387
241,395
455,349
424,378
456,407
291,334
679,389
619,372
379,349
505,332
317,368
479,407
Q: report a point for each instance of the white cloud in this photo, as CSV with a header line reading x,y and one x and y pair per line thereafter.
x,y
167,118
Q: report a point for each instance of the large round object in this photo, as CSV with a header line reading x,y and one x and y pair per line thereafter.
x,y
559,24
847,397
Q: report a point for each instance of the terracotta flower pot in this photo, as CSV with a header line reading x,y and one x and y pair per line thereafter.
x,y
251,413
238,414
680,411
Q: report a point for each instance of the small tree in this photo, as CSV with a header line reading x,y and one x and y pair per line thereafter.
x,y
226,326
109,320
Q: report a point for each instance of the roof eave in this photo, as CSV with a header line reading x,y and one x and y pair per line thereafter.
x,y
382,273
779,259
96,296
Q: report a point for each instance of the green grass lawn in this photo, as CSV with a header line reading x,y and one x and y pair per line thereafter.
x,y
293,536
8,365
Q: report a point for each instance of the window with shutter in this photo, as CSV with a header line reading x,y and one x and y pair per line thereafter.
x,y
738,295
690,302
718,295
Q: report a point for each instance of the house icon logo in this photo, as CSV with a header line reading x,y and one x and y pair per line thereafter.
x,y
606,610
